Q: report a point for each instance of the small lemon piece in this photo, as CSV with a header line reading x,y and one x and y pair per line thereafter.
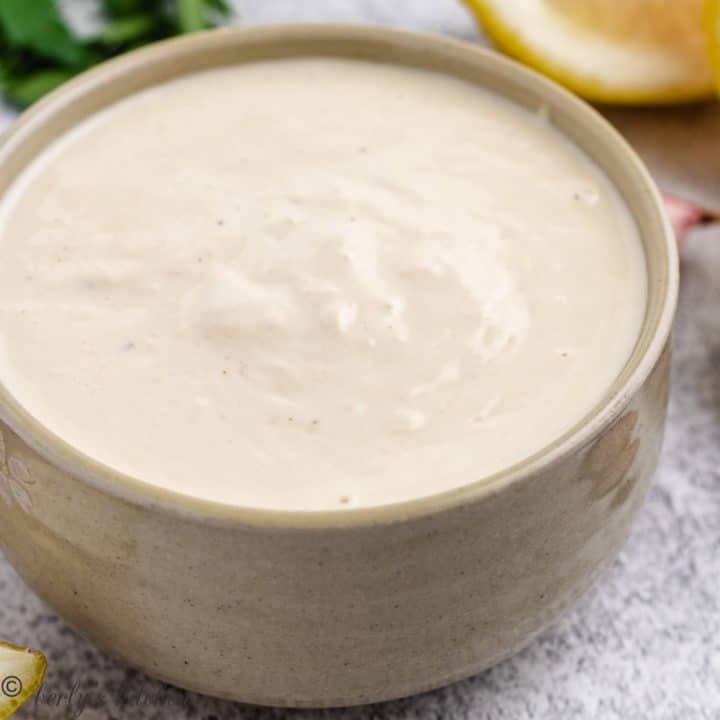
x,y
713,33
630,52
21,673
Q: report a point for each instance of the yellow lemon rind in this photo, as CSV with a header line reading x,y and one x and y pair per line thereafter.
x,y
31,672
510,42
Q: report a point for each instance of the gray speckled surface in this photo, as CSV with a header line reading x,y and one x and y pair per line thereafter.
x,y
645,643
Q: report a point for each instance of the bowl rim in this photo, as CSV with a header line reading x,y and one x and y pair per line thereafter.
x,y
137,492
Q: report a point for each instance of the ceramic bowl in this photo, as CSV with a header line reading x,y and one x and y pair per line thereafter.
x,y
351,606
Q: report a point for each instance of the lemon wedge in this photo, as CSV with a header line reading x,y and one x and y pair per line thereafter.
x,y
21,673
713,29
630,52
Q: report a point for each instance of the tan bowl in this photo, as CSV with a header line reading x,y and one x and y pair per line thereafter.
x,y
353,606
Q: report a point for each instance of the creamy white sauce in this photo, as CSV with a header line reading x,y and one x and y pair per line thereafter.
x,y
315,283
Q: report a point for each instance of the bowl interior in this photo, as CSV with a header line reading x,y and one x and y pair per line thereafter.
x,y
117,79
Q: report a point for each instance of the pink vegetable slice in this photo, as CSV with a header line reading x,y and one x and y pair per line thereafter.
x,y
685,216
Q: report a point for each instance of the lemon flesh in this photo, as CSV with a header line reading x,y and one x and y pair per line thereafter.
x,y
630,52
713,34
21,673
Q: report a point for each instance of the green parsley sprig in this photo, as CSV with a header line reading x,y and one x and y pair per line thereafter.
x,y
39,50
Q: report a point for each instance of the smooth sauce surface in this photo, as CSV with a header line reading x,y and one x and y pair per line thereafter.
x,y
313,283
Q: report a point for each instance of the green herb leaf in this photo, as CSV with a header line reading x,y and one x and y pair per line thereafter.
x,y
221,7
123,8
39,26
24,91
126,30
38,50
191,15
